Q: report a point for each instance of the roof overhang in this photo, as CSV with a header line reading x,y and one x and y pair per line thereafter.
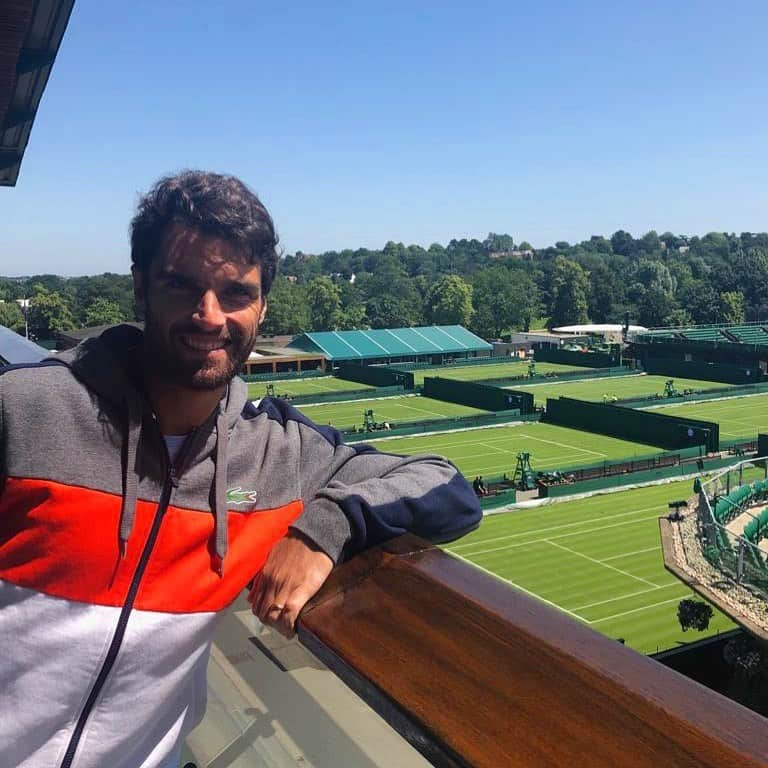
x,y
30,35
16,349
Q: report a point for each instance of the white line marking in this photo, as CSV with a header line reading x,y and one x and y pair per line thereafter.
x,y
494,448
523,589
599,562
626,597
563,445
563,536
637,610
559,527
629,554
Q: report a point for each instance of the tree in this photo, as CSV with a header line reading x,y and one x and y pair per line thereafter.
x,y
390,296
731,307
85,291
11,316
503,299
287,311
655,274
623,243
449,301
103,312
650,242
606,294
390,311
655,307
48,313
498,243
693,614
324,303
569,293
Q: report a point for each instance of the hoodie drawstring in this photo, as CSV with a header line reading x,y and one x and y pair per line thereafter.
x,y
130,478
131,482
220,491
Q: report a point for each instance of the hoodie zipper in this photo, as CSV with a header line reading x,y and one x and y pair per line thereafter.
x,y
171,482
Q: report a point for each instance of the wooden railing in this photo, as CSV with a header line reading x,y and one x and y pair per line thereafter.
x,y
475,673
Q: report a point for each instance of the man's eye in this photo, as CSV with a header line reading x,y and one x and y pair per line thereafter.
x,y
176,283
239,294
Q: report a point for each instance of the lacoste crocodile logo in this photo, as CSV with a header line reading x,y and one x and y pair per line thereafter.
x,y
239,496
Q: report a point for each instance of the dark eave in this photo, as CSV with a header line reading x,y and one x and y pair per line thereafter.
x,y
30,36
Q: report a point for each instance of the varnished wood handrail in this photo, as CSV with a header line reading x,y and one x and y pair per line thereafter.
x,y
476,673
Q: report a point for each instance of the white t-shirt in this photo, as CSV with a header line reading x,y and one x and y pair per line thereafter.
x,y
174,443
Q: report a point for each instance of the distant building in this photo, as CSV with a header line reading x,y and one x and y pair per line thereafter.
x,y
428,344
513,254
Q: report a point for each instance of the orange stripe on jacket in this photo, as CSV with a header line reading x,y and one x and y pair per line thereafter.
x,y
63,540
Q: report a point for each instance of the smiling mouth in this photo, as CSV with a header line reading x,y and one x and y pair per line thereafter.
x,y
202,344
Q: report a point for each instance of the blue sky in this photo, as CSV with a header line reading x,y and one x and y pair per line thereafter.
x,y
362,122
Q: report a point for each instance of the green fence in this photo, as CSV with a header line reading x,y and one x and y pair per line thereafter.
x,y
500,499
710,394
340,397
285,376
377,376
699,369
571,357
670,432
587,373
648,476
484,396
403,429
458,362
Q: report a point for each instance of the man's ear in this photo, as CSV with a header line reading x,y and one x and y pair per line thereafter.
x,y
263,313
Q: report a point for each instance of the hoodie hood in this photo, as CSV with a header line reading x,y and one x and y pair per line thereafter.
x,y
110,366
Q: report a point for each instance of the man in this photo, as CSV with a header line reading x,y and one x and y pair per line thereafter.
x,y
141,492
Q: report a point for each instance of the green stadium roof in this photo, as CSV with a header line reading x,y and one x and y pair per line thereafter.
x,y
391,342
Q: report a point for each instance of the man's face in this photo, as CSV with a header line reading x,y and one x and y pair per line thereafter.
x,y
203,307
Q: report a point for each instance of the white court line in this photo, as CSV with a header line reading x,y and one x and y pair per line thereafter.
x,y
423,410
494,448
636,610
599,562
629,554
557,527
626,597
563,445
523,589
563,536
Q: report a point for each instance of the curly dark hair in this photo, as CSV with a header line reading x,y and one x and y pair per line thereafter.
x,y
216,205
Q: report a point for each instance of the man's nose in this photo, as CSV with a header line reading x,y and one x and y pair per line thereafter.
x,y
209,309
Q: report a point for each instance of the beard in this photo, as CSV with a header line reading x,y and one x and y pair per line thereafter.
x,y
168,360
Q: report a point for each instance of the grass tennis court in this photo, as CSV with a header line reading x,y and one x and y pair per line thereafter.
x,y
492,451
598,559
737,416
392,409
493,371
311,386
639,385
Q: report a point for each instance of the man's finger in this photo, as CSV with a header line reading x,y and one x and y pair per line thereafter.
x,y
294,605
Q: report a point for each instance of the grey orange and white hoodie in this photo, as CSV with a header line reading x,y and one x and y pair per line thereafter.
x,y
114,563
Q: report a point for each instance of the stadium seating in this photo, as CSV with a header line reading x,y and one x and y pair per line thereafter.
x,y
750,334
726,508
704,334
757,528
732,505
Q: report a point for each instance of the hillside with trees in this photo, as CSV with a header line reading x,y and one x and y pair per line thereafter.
x,y
491,286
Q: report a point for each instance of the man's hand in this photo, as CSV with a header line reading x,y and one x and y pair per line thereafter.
x,y
295,569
